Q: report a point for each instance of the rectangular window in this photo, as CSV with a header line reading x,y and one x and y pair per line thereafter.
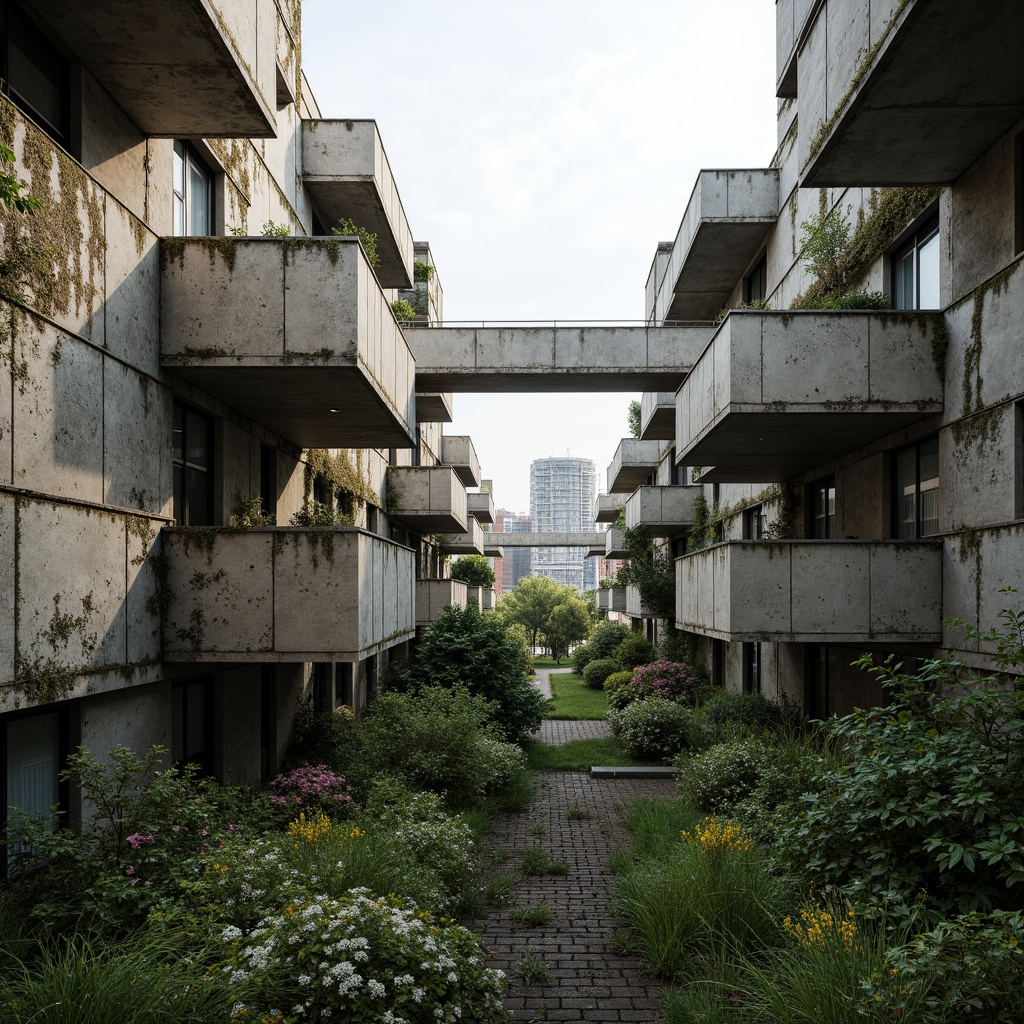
x,y
193,193
822,506
755,287
915,269
821,681
718,663
753,523
916,490
268,480
35,75
192,466
192,723
752,668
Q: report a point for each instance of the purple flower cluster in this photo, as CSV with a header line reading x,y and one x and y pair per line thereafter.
x,y
669,679
310,786
139,839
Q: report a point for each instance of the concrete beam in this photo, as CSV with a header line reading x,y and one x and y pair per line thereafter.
x,y
525,359
550,540
192,68
946,83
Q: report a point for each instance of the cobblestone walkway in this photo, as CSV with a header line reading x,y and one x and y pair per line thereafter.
x,y
555,733
588,980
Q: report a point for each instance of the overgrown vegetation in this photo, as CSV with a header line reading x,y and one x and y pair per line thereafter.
x,y
473,570
349,228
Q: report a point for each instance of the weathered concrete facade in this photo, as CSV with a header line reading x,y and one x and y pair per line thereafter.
x,y
189,370
863,469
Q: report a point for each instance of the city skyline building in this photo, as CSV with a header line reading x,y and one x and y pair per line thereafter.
x,y
562,492
517,562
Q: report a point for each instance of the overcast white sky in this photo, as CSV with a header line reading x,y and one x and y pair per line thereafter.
x,y
544,148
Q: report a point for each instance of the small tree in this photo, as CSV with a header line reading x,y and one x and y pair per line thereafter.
x,y
531,603
823,240
634,418
568,624
473,570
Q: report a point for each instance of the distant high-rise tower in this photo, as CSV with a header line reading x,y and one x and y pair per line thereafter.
x,y
516,563
562,494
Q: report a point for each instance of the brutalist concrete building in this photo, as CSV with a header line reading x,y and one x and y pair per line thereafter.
x,y
185,347
863,468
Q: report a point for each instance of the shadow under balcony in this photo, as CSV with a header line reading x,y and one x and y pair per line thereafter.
x,y
813,591
283,594
777,394
294,333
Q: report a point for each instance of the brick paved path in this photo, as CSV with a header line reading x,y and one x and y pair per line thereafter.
x,y
589,980
555,733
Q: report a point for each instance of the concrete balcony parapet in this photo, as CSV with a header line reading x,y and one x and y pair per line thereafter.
x,y
777,394
906,93
427,499
611,599
635,608
727,218
614,544
661,510
284,594
433,596
293,332
658,416
469,542
346,170
813,591
607,508
460,454
480,505
634,461
194,68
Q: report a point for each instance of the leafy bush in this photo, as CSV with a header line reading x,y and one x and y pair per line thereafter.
x,y
598,671
654,728
856,300
581,658
473,570
437,740
928,798
602,644
313,513
615,680
489,658
364,958
716,779
635,650
726,712
350,228
671,680
310,788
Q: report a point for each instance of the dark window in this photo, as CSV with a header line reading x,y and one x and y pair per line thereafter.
x,y
192,724
821,681
193,192
192,463
718,662
755,287
323,686
344,676
916,490
753,523
268,480
679,476
822,506
915,269
35,75
268,721
752,668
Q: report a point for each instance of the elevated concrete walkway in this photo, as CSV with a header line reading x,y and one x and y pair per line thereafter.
x,y
550,540
522,358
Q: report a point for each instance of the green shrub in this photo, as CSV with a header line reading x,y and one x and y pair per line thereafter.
x,y
437,740
598,671
669,680
635,650
581,658
350,228
417,966
489,658
403,310
856,300
313,513
716,779
653,729
473,570
726,713
604,640
615,680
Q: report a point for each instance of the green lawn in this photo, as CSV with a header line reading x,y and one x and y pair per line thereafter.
x,y
579,755
574,700
543,661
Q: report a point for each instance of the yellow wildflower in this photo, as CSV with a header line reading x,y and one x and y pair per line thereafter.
x,y
712,835
816,927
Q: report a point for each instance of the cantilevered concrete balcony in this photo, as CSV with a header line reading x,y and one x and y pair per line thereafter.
x,y
813,591
427,499
634,461
186,69
480,505
433,407
611,599
726,220
658,416
433,596
469,542
607,507
482,597
777,394
635,608
520,358
942,81
460,454
284,594
662,511
294,332
492,547
346,170
790,17
614,544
